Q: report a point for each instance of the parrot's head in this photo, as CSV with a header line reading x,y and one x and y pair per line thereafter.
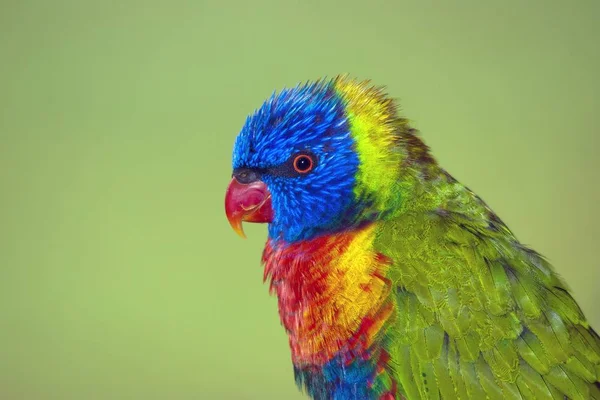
x,y
319,158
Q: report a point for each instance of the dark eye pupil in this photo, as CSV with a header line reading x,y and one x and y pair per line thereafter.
x,y
303,163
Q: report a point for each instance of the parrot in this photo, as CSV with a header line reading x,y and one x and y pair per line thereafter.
x,y
394,280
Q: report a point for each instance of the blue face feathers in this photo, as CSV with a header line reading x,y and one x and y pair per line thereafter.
x,y
308,119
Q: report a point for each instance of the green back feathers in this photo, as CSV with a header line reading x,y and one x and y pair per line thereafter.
x,y
479,315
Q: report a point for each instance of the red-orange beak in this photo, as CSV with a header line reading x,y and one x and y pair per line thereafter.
x,y
247,202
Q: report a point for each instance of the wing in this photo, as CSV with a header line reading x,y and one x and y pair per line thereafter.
x,y
479,315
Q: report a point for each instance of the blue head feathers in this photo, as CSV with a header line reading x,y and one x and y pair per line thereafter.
x,y
306,120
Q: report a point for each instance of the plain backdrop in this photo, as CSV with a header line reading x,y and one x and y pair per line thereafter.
x,y
119,275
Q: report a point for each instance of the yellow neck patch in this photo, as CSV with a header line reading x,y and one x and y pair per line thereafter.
x,y
374,126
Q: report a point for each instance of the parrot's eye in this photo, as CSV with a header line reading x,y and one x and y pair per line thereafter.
x,y
298,164
303,163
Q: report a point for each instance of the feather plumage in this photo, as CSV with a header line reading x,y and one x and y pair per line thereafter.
x,y
395,280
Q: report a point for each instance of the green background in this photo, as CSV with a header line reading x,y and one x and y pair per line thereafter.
x,y
119,275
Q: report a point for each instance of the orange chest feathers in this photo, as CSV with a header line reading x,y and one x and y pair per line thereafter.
x,y
332,291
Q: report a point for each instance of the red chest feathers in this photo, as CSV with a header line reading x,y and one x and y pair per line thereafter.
x,y
332,291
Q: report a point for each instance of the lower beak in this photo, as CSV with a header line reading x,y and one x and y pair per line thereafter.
x,y
247,202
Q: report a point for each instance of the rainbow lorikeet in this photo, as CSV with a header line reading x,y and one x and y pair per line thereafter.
x,y
395,281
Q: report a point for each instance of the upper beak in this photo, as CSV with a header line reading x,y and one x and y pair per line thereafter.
x,y
247,202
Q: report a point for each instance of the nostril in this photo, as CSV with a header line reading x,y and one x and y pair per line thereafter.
x,y
246,176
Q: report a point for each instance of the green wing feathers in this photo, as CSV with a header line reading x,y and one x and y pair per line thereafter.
x,y
480,315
